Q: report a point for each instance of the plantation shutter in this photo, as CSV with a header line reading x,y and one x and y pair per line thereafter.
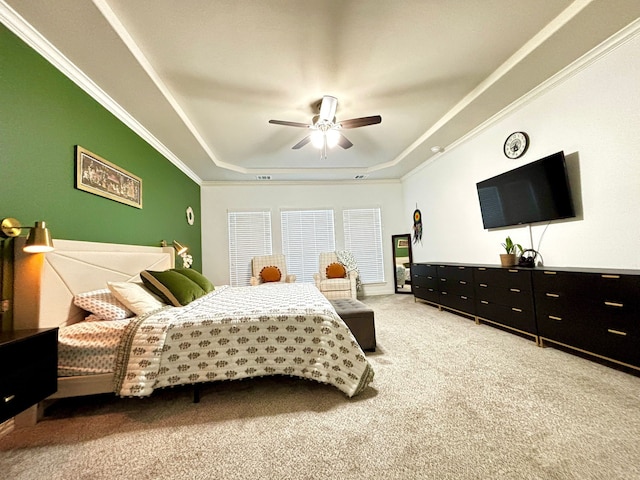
x,y
249,236
305,234
363,238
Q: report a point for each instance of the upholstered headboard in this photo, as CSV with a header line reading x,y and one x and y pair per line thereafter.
x,y
45,284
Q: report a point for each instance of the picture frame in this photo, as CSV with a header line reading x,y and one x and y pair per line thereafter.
x,y
96,175
403,243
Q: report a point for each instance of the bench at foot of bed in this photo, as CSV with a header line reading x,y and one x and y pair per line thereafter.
x,y
359,319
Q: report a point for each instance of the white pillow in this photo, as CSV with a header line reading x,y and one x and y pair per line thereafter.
x,y
137,298
103,304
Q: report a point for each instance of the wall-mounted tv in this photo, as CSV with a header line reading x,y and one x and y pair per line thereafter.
x,y
536,192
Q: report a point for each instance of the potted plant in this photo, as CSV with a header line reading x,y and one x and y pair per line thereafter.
x,y
508,259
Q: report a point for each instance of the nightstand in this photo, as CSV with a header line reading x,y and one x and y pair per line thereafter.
x,y
29,365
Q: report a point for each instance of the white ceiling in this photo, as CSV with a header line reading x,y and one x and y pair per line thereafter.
x,y
203,77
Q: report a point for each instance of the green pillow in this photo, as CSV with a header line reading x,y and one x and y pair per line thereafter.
x,y
174,288
196,277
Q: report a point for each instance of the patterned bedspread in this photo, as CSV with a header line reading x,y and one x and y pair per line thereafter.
x,y
239,332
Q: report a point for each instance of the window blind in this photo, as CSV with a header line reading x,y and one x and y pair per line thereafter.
x,y
249,236
363,237
305,234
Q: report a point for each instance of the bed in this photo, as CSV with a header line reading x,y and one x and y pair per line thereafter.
x,y
229,333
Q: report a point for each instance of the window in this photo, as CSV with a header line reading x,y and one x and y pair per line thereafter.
x,y
363,237
249,236
305,234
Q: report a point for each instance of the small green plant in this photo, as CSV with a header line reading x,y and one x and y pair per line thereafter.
x,y
511,247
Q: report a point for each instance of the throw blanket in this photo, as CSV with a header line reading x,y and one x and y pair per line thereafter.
x,y
239,332
346,258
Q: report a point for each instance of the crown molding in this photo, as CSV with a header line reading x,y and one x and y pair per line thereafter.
x,y
20,27
591,57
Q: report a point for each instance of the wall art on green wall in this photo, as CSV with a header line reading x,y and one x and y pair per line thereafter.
x,y
96,175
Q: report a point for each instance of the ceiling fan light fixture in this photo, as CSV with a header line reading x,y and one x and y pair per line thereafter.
x,y
328,108
317,139
332,138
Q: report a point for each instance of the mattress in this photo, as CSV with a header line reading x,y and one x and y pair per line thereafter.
x,y
89,347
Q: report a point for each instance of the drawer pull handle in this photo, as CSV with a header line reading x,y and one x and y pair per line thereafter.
x,y
462,282
513,271
552,317
617,332
519,310
430,277
610,276
484,285
461,268
443,293
614,304
547,272
482,268
463,297
516,290
484,301
553,295
8,398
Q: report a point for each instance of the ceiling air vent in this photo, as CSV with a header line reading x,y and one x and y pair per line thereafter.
x,y
263,177
360,177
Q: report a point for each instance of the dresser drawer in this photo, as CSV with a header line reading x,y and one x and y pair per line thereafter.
x,y
522,319
589,288
601,340
424,281
456,287
504,277
456,272
423,269
589,316
425,293
463,303
508,296
29,372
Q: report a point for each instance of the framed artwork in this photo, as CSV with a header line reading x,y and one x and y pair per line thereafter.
x,y
96,175
403,243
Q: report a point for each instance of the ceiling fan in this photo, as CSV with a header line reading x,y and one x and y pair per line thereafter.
x,y
326,131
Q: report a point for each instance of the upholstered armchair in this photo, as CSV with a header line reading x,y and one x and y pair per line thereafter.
x,y
261,273
333,288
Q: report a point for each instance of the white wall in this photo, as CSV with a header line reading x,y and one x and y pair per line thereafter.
x,y
594,116
218,199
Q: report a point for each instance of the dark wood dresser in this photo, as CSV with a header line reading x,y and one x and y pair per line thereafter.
x,y
593,311
29,360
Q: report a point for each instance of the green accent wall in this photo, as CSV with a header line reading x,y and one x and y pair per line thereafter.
x,y
43,115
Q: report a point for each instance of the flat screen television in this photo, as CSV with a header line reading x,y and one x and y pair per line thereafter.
x,y
536,192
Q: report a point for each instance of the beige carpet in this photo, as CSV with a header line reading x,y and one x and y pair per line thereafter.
x,y
451,400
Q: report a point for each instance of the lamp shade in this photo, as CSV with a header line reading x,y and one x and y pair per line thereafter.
x,y
39,239
179,248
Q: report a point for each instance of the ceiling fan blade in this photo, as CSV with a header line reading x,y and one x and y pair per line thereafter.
x,y
361,122
290,124
344,142
328,108
302,143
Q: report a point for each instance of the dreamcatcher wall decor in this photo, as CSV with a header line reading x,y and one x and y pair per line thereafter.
x,y
417,226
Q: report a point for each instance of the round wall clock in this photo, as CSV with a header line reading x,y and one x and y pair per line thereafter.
x,y
516,144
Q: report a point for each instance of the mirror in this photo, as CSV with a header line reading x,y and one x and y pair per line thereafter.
x,y
402,259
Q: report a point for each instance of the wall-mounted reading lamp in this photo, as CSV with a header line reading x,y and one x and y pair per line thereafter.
x,y
178,247
38,240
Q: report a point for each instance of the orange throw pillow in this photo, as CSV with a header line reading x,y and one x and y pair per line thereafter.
x,y
336,270
270,274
